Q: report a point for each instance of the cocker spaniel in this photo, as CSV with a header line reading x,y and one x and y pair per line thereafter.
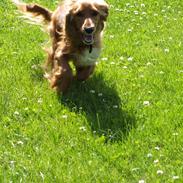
x,y
76,29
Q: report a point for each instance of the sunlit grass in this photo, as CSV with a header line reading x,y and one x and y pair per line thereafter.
x,y
123,125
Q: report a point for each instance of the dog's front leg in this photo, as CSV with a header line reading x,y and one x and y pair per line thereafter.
x,y
62,74
84,72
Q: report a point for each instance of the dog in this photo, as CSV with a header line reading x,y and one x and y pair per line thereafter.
x,y
76,28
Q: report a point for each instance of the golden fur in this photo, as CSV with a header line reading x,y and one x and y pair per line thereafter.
x,y
75,28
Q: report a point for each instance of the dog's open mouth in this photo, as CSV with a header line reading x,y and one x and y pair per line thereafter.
x,y
88,39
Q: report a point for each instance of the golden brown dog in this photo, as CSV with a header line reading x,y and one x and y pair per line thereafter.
x,y
76,29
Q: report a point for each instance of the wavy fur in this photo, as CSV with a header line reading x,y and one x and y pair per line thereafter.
x,y
76,29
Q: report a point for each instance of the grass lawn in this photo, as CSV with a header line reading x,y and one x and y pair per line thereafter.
x,y
123,125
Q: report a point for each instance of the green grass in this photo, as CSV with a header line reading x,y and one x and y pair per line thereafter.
x,y
123,125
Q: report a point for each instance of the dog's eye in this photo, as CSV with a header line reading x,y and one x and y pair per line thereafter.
x,y
79,14
94,13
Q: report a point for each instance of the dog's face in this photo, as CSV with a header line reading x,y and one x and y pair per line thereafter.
x,y
86,18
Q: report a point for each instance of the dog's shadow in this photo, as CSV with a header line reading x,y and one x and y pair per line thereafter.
x,y
102,107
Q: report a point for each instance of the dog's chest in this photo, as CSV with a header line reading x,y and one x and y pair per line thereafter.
x,y
87,58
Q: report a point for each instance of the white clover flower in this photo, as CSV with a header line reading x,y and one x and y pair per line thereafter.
x,y
175,177
64,116
175,134
180,71
14,52
149,155
149,63
104,59
100,94
115,106
160,172
142,5
26,109
16,113
168,7
166,50
92,91
129,30
121,58
141,181
34,66
20,142
161,72
40,100
117,9
146,103
130,59
141,76
136,12
157,148
156,161
12,162
144,13
83,128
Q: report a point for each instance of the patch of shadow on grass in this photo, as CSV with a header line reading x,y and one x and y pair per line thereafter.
x,y
102,107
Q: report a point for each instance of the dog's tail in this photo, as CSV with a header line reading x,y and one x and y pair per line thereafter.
x,y
34,13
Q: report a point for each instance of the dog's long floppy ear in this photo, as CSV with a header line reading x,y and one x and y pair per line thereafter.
x,y
103,9
68,21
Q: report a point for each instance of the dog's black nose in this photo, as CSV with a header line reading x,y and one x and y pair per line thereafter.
x,y
89,30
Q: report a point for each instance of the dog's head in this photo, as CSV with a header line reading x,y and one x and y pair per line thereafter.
x,y
88,17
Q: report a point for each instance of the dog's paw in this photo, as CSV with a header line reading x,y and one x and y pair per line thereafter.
x,y
61,81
